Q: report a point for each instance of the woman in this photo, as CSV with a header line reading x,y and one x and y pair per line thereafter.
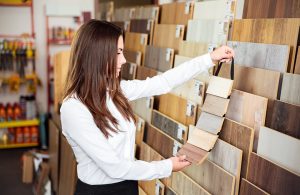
x,y
97,119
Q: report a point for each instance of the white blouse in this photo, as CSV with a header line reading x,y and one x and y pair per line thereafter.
x,y
105,161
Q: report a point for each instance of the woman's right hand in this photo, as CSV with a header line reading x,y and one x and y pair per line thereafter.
x,y
179,162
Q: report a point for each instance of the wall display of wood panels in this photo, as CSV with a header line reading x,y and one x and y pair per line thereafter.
x,y
297,63
272,31
211,177
143,107
171,127
144,72
142,26
168,35
279,148
146,12
276,9
159,58
284,117
208,31
176,13
192,49
133,56
210,123
249,110
260,55
215,105
272,178
179,109
248,188
125,25
128,71
123,14
241,137
136,42
201,139
290,90
219,86
193,154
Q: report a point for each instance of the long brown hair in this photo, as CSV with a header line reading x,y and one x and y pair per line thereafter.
x,y
92,73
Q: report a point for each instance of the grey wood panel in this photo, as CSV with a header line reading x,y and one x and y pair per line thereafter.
x,y
210,123
290,90
159,58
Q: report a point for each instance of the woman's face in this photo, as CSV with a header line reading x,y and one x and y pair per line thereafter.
x,y
120,56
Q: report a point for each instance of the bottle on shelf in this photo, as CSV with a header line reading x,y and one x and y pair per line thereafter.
x,y
19,135
26,135
9,112
2,113
34,132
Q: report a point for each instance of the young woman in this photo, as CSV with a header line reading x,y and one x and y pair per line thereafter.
x,y
97,119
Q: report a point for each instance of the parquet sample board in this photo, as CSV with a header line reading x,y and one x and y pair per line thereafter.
x,y
168,35
144,72
176,130
276,9
261,171
283,31
211,177
215,105
136,42
283,117
159,58
260,55
210,123
297,63
249,110
229,158
178,60
192,49
128,71
279,148
146,12
193,154
191,90
290,90
123,14
239,136
219,86
143,107
178,108
125,25
140,128
201,139
248,188
143,26
176,13
208,31
133,56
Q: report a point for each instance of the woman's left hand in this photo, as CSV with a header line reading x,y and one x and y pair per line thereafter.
x,y
222,54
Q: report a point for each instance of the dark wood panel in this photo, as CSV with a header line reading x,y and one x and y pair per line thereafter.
x,y
133,56
159,58
272,178
283,117
248,188
142,26
193,154
297,64
144,72
125,25
128,71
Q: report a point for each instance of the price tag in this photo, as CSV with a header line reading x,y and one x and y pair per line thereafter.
x,y
139,125
154,11
143,40
126,25
180,131
158,188
176,147
190,108
229,6
148,102
168,54
148,24
187,7
178,30
197,87
229,17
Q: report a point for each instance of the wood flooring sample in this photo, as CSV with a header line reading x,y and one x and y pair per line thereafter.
x,y
210,123
201,139
128,71
290,90
143,73
159,58
193,154
272,178
219,86
136,42
215,105
141,191
213,9
146,12
140,128
248,188
124,25
280,149
133,56
176,13
142,26
123,14
192,48
143,107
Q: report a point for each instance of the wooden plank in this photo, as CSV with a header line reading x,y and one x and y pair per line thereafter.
x,y
192,49
272,178
133,56
290,90
128,71
283,117
174,129
140,129
204,174
201,139
176,13
136,42
168,35
279,148
152,187
159,58
207,31
249,110
260,55
123,14
229,158
146,12
145,26
141,191
248,188
297,63
178,108
241,137
210,123
124,25
144,72
143,107
219,86
215,105
193,154
283,31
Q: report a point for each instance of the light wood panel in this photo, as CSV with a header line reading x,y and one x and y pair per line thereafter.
x,y
210,123
176,13
271,31
215,105
241,137
142,26
297,63
201,139
141,191
193,154
133,56
272,178
290,90
180,59
159,58
143,107
192,49
136,42
178,108
153,187
128,71
260,55
168,35
219,86
123,14
248,109
248,188
144,72
176,130
279,148
146,12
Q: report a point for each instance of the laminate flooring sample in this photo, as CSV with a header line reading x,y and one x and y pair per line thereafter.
x,y
271,177
146,12
140,128
279,148
249,110
136,42
152,187
219,86
123,14
215,105
144,72
124,25
128,71
201,139
283,117
210,123
193,154
141,191
297,63
133,56
143,107
192,48
248,188
241,137
159,58
168,35
142,26
290,90
260,55
176,13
